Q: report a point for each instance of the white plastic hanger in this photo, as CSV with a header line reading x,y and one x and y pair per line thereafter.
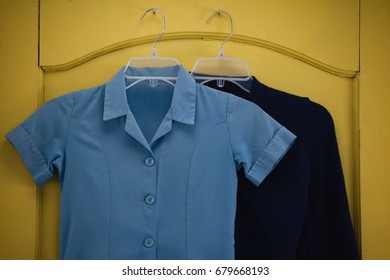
x,y
222,68
152,61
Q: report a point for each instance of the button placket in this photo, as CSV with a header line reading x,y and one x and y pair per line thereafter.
x,y
150,198
150,188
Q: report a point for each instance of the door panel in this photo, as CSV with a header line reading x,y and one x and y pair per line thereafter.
x,y
71,30
325,29
375,132
19,76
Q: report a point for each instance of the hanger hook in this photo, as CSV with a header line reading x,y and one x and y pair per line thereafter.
x,y
154,10
231,27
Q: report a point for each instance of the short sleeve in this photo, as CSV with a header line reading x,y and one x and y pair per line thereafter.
x,y
258,141
40,140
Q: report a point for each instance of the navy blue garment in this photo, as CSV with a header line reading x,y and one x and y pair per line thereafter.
x,y
301,211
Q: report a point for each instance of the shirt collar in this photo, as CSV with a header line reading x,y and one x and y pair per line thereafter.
x,y
183,103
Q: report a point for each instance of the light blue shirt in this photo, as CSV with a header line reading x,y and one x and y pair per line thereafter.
x,y
149,172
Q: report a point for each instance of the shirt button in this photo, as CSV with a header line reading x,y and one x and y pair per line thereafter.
x,y
149,161
149,199
148,242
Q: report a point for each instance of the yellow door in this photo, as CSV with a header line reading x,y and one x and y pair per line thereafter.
x,y
19,79
309,48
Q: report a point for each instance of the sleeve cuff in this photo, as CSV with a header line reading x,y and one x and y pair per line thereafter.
x,y
30,154
272,154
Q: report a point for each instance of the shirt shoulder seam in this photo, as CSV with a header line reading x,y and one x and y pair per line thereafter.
x,y
68,125
227,125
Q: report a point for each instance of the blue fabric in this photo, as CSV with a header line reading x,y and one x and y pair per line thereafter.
x,y
149,172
